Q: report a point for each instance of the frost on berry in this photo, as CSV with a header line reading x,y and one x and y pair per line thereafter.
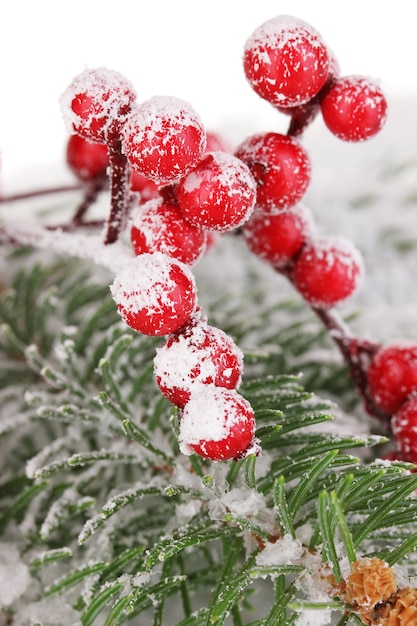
x,y
218,194
159,226
286,61
217,423
164,138
276,238
354,108
392,375
86,160
155,295
327,271
198,355
94,100
404,428
280,166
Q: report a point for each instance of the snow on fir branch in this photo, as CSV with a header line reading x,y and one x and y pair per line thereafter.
x,y
178,453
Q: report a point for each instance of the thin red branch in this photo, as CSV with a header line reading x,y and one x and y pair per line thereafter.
x,y
27,195
120,193
357,353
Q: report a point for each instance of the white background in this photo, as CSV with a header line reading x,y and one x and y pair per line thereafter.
x,y
189,49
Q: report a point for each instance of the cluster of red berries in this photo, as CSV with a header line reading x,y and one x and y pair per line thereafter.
x,y
392,382
190,185
180,185
288,63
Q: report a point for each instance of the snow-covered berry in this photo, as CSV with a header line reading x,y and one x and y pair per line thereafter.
x,y
327,271
217,423
281,167
218,194
159,226
155,294
354,108
286,61
94,100
404,428
86,160
197,355
392,375
164,139
277,237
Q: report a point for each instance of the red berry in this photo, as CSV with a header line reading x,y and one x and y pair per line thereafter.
x,y
354,108
217,424
147,188
164,139
155,295
286,61
218,194
327,271
85,159
392,375
277,237
404,428
280,166
196,356
94,100
158,226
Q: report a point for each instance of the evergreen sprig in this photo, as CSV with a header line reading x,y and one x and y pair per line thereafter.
x,y
110,516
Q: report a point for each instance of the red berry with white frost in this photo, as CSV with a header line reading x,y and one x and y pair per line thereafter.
x,y
158,226
280,166
277,237
94,100
164,139
218,194
155,294
286,61
217,424
354,108
392,375
327,271
404,428
198,355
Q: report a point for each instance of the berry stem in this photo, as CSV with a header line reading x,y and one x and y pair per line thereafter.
x,y
302,117
304,114
120,196
92,190
356,352
27,195
71,226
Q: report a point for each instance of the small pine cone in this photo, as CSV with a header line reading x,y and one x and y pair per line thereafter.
x,y
400,611
370,582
